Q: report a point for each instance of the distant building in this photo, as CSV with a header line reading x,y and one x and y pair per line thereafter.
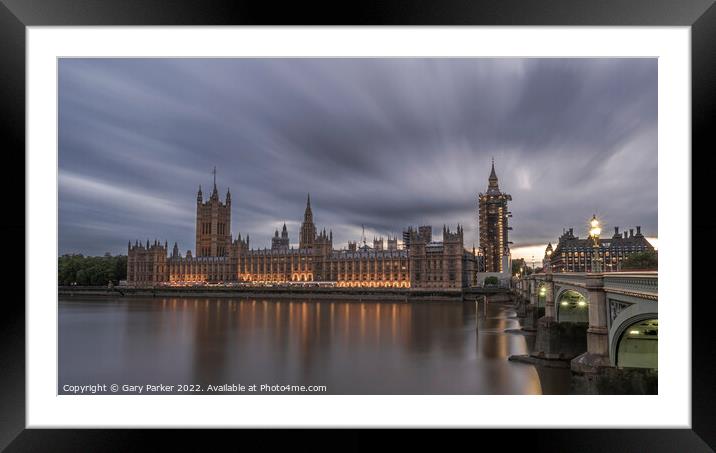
x,y
492,219
443,264
547,255
222,259
147,265
573,254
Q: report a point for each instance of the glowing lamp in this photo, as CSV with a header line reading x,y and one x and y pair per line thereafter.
x,y
595,229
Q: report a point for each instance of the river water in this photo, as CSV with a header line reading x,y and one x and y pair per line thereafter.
x,y
350,347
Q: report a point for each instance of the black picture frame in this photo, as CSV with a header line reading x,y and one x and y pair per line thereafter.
x,y
700,15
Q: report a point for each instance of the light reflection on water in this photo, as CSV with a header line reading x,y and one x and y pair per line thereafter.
x,y
351,347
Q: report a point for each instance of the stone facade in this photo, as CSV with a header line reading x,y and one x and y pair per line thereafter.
x,y
213,224
573,254
425,264
147,265
444,264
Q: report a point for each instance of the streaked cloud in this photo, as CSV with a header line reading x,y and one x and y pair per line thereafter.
x,y
380,142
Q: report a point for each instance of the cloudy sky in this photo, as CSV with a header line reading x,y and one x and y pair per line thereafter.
x,y
383,143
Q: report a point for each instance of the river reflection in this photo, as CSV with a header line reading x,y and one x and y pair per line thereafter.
x,y
351,347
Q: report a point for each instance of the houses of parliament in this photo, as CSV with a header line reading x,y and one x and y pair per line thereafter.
x,y
420,262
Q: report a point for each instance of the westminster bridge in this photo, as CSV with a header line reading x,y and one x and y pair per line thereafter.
x,y
618,310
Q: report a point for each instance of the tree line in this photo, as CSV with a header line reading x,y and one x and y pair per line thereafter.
x,y
647,260
83,270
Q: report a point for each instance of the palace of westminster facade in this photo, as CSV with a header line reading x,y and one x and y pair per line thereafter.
x,y
420,262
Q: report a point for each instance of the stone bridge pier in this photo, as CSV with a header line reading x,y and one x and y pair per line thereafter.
x,y
554,341
597,355
529,297
521,294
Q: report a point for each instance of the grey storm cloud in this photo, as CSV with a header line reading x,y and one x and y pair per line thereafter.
x,y
383,143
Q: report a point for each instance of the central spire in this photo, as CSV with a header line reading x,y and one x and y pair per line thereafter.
x,y
309,214
308,229
214,193
493,185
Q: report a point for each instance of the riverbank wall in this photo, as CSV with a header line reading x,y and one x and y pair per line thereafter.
x,y
402,294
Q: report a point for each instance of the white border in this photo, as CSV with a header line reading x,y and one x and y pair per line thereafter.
x,y
671,408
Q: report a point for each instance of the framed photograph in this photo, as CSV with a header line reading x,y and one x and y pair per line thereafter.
x,y
418,218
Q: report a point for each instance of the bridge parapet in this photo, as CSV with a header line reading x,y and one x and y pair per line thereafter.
x,y
638,284
570,278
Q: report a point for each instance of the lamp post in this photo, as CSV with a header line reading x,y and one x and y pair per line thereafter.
x,y
533,264
549,261
542,293
594,232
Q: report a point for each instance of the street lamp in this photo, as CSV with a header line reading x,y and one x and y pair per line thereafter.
x,y
594,232
549,261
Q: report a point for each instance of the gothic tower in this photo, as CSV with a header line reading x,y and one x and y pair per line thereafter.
x,y
280,242
213,223
308,228
492,219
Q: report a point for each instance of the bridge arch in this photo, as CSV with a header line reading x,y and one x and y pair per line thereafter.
x,y
571,306
633,338
561,288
